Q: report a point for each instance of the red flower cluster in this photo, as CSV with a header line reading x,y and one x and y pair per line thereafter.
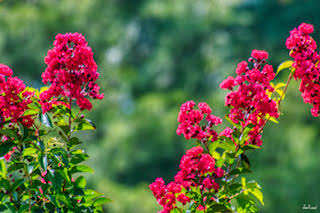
x,y
167,196
250,103
196,170
71,71
306,64
14,99
190,118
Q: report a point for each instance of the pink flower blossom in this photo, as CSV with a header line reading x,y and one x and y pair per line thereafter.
x,y
249,100
190,118
306,60
71,72
228,83
259,54
5,70
14,99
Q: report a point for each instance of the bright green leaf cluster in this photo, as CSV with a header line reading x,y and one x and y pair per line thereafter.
x,y
44,170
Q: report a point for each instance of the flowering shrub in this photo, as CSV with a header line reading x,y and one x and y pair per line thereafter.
x,y
208,180
41,164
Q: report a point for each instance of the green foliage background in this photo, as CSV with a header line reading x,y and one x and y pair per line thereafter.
x,y
153,56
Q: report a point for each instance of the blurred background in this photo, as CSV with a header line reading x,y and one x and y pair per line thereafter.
x,y
153,55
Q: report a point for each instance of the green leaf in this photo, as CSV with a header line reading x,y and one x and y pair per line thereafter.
x,y
29,151
213,146
41,145
272,119
91,194
279,85
231,122
73,141
84,124
31,167
16,184
77,151
229,157
9,132
65,174
57,179
253,185
24,130
80,182
220,162
63,198
31,112
2,207
63,126
15,167
235,188
244,135
63,136
226,143
23,208
54,200
78,158
284,65
239,152
101,200
243,182
11,207
34,106
219,208
81,168
257,194
245,161
45,119
246,204
216,155
5,184
239,170
5,147
175,210
251,146
43,160
3,168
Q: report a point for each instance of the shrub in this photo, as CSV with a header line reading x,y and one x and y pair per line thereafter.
x,y
211,178
42,164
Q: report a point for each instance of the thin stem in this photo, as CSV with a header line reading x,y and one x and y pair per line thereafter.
x,y
286,87
76,116
281,98
229,168
204,142
70,102
235,195
237,148
205,145
70,122
238,164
